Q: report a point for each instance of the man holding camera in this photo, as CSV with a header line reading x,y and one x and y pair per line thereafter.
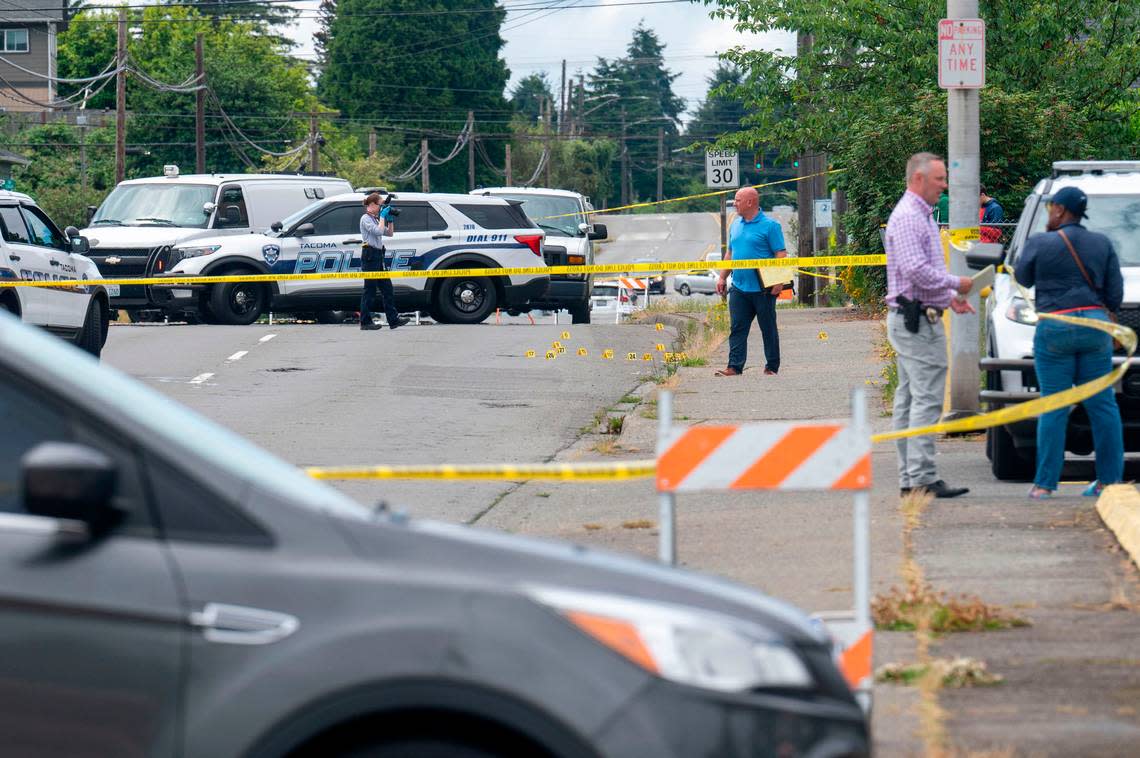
x,y
919,289
374,226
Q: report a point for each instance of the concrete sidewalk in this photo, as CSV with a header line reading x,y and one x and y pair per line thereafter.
x,y
1072,678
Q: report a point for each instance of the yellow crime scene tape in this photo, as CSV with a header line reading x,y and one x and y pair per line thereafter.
x,y
565,472
823,261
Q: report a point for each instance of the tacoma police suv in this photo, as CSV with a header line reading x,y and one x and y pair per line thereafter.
x,y
34,248
1113,189
565,217
432,232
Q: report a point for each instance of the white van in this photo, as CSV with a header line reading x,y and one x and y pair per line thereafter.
x,y
33,248
132,232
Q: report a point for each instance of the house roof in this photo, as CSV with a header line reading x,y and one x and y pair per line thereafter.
x,y
31,10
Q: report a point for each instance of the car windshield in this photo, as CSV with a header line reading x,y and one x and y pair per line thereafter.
x,y
156,204
182,430
558,215
292,220
1117,216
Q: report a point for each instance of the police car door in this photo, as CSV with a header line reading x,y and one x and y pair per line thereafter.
x,y
333,248
420,238
28,262
65,307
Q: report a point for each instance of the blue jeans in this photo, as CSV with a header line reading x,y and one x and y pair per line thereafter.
x,y
742,308
1066,355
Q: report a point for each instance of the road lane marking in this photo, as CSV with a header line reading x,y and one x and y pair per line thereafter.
x,y
237,356
267,337
200,379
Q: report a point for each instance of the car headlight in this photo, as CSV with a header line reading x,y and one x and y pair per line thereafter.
x,y
686,645
1021,311
182,253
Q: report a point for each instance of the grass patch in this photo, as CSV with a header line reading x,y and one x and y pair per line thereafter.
x,y
630,399
542,494
614,424
639,524
954,673
649,413
888,380
904,610
690,362
607,446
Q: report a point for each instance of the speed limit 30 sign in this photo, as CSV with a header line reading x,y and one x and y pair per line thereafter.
x,y
722,168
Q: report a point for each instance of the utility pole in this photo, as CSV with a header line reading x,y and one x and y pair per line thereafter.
x,y
470,150
372,142
624,163
581,102
510,176
660,163
121,100
81,122
964,163
425,183
819,192
562,100
549,152
314,135
199,107
806,222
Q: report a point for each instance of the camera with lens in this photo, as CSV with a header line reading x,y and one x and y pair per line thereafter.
x,y
387,210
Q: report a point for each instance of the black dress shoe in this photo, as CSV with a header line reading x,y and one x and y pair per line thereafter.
x,y
904,491
398,323
941,489
369,326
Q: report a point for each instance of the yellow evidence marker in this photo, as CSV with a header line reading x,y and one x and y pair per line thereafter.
x,y
529,353
582,352
823,336
565,335
631,356
660,326
550,355
660,347
607,354
647,357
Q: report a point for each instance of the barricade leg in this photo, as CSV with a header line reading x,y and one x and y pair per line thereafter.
x,y
666,501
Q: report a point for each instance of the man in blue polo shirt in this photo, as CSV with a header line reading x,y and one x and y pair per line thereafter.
x,y
752,235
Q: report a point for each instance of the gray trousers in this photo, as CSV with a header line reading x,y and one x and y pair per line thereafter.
x,y
918,400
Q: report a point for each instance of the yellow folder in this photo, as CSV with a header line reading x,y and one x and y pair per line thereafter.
x,y
770,277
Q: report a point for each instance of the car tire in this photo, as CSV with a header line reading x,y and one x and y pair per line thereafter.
x,y
1008,463
466,299
91,337
238,303
685,290
421,748
331,317
204,313
580,312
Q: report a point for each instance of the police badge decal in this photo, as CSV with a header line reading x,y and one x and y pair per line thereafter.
x,y
271,253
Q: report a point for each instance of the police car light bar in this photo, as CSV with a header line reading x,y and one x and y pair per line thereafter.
x,y
170,171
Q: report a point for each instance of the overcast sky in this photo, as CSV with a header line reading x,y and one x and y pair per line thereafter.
x,y
538,41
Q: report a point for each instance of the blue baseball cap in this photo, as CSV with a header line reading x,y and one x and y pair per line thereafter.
x,y
1073,200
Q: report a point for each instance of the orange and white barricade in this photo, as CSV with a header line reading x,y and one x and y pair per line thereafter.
x,y
780,455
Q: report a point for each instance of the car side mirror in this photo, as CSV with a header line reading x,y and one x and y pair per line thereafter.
x,y
208,208
91,213
599,232
982,254
304,230
275,226
62,480
79,245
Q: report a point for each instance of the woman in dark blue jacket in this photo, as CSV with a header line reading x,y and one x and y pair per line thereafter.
x,y
1076,273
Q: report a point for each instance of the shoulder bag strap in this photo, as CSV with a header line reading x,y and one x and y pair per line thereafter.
x,y
1077,258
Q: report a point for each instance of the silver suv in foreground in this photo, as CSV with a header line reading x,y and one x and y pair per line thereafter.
x,y
168,589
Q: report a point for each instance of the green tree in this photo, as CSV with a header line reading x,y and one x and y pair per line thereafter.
x,y
249,75
55,175
420,71
530,94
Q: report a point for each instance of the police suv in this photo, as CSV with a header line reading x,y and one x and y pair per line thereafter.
x,y
432,232
34,248
1113,189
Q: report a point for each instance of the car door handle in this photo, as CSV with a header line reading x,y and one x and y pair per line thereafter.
x,y
54,262
351,242
441,236
14,257
240,625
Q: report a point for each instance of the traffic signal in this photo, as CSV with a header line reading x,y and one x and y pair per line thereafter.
x,y
796,163
758,161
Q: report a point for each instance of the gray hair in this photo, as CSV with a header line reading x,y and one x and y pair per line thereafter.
x,y
919,163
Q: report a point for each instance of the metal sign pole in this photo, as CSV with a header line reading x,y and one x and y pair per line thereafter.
x,y
862,524
666,501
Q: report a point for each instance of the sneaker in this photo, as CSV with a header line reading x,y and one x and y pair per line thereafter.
x,y
1094,489
369,326
941,489
1040,493
398,323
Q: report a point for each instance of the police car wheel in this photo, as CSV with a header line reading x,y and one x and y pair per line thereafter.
x,y
91,337
238,303
204,313
466,300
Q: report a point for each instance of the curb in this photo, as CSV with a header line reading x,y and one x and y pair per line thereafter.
x,y
1119,508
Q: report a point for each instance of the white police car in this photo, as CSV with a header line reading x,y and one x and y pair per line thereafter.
x,y
1113,189
34,248
432,231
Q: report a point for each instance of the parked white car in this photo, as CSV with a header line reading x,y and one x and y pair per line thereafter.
x,y
132,232
1113,189
33,248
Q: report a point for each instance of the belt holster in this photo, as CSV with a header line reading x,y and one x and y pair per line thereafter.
x,y
911,310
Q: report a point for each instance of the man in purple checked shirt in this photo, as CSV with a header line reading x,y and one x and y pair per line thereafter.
x,y
917,280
